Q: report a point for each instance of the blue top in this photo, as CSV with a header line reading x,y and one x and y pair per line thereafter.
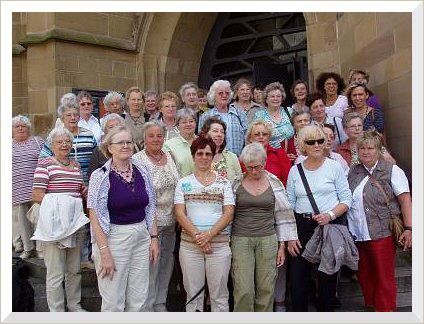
x,y
127,206
374,118
328,184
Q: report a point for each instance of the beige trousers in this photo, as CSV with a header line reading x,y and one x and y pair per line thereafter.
x,y
21,227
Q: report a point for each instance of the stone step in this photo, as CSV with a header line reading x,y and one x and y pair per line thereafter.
x,y
403,258
356,304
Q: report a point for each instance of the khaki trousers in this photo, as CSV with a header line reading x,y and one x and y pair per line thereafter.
x,y
195,265
21,227
127,291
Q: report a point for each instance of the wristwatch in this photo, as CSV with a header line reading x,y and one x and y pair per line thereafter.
x,y
332,215
407,228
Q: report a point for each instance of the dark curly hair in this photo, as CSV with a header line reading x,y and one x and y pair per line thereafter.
x,y
207,126
311,98
200,143
319,83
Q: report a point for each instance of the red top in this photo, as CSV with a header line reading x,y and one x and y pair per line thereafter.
x,y
344,150
277,163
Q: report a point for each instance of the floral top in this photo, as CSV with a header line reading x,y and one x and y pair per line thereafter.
x,y
165,178
280,131
228,167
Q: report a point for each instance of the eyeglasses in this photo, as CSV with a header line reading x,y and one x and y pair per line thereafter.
x,y
202,154
261,134
223,93
63,142
258,167
312,142
124,143
86,103
356,126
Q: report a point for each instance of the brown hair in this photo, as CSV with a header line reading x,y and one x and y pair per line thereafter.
x,y
207,126
239,83
200,143
134,89
320,82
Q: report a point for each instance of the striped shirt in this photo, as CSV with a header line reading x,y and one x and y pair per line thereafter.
x,y
82,149
55,178
24,161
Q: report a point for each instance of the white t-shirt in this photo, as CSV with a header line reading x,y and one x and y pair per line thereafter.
x,y
204,203
338,108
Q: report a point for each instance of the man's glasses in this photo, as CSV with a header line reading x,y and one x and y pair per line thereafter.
x,y
312,142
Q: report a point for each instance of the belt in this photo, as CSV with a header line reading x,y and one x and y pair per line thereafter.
x,y
304,215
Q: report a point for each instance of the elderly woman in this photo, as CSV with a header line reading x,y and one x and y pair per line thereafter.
x,y
299,119
114,103
299,91
25,151
134,119
204,206
330,190
258,91
380,191
87,120
358,94
188,94
151,105
179,147
263,222
107,123
122,207
164,175
331,85
360,76
243,98
277,161
225,163
203,106
168,105
220,96
58,186
275,114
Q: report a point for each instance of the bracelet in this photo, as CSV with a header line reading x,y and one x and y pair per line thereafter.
x,y
103,247
332,215
408,228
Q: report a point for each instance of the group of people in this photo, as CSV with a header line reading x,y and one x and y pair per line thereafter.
x,y
257,193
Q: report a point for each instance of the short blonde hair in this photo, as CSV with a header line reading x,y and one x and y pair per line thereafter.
x,y
309,132
108,139
371,137
274,86
134,89
168,95
259,122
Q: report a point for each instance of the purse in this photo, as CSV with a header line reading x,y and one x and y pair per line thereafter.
x,y
396,225
33,214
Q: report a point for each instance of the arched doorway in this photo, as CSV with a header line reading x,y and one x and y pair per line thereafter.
x,y
264,47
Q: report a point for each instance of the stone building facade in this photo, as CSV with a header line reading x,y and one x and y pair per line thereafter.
x,y
56,52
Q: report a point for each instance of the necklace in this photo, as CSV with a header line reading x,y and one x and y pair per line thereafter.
x,y
205,178
155,158
64,163
136,119
123,173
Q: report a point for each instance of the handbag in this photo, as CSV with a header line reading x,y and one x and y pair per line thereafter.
x,y
396,225
33,214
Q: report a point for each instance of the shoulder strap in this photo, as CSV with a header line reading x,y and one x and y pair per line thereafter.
x,y
308,189
374,181
288,114
337,129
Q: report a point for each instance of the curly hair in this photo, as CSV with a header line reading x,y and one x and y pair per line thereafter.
x,y
168,95
200,143
323,77
274,86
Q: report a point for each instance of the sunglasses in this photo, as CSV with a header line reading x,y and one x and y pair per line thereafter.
x,y
312,142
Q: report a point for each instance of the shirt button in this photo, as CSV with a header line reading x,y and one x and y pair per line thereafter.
x,y
367,209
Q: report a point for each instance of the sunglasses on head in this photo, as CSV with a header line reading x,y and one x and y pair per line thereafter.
x,y
312,142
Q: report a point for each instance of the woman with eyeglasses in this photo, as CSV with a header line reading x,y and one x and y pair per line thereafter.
x,y
204,206
276,115
263,222
331,86
330,190
122,207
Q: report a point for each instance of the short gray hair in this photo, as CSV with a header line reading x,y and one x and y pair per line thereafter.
x,y
215,86
114,96
107,141
58,131
62,108
68,100
110,117
21,119
153,123
349,116
253,152
184,113
274,86
186,86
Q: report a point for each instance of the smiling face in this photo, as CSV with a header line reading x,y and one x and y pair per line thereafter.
x,y
257,95
151,104
354,129
244,93
20,132
187,126
190,98
61,146
86,107
317,110
301,120
358,78
168,108
121,146
300,92
115,106
368,154
315,150
154,139
330,87
359,97
203,159
260,134
70,119
217,134
274,99
222,96
135,102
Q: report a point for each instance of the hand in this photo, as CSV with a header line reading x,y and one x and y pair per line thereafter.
x,y
203,238
291,156
281,255
107,265
406,239
322,219
154,250
294,247
84,192
207,248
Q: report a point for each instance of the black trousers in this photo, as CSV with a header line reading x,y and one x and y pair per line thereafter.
x,y
300,275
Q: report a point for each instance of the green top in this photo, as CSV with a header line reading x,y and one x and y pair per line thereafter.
x,y
180,152
229,166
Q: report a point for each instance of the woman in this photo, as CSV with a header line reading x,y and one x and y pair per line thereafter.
x,y
263,221
87,119
168,103
220,95
114,103
164,175
122,207
203,106
360,76
299,119
276,115
151,105
331,85
107,123
299,91
204,206
358,94
225,163
25,151
83,142
134,119
179,147
58,186
258,94
277,161
188,94
380,190
331,192
243,98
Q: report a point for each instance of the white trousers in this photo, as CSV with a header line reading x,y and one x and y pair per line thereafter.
x,y
63,264
160,275
21,227
127,291
195,265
